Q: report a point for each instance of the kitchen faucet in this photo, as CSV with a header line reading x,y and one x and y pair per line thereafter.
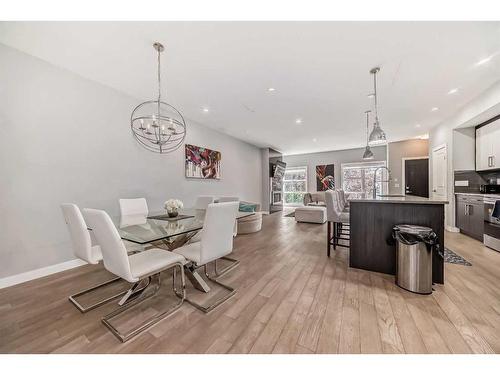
x,y
375,180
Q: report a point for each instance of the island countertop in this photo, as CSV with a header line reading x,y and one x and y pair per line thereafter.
x,y
409,199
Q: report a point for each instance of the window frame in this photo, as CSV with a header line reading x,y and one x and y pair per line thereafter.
x,y
378,163
285,180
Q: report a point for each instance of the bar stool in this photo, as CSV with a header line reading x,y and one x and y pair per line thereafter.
x,y
336,219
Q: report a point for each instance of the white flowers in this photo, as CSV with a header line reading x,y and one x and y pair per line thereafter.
x,y
173,205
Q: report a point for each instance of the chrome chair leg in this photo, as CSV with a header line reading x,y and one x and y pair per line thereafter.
x,y
233,265
217,302
134,291
84,309
181,295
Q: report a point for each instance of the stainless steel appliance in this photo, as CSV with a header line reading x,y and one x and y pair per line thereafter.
x,y
489,189
414,257
491,237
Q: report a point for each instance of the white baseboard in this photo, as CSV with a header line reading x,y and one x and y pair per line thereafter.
x,y
40,272
449,228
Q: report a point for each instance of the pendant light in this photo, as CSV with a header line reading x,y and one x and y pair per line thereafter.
x,y
377,136
156,125
368,154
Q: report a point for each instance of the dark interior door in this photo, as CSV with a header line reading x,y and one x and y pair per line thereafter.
x,y
417,177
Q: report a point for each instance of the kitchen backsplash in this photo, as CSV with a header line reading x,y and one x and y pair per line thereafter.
x,y
469,181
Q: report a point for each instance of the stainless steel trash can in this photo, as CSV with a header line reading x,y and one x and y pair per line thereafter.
x,y
414,257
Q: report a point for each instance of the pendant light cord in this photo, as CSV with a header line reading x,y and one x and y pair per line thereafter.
x,y
375,93
367,125
159,77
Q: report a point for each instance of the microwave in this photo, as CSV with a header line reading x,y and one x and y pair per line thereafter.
x,y
489,189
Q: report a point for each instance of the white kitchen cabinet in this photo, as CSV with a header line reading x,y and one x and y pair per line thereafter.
x,y
488,146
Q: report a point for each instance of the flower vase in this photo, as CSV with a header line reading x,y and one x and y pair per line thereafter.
x,y
172,213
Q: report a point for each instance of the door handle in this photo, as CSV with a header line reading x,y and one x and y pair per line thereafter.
x,y
465,210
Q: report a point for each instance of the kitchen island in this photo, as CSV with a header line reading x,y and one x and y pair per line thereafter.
x,y
371,223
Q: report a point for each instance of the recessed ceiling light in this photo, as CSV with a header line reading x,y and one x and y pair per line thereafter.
x,y
271,89
315,140
434,109
372,95
418,125
298,121
205,110
483,61
453,91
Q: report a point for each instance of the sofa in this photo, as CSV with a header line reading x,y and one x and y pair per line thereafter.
x,y
252,223
314,198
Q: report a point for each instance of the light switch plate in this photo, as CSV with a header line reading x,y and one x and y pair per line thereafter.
x,y
461,183
396,185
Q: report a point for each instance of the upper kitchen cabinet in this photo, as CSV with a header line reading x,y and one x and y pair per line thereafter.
x,y
488,146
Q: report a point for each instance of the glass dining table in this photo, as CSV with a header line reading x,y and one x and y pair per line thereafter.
x,y
160,230
157,226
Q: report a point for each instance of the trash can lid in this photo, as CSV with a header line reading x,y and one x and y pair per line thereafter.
x,y
413,229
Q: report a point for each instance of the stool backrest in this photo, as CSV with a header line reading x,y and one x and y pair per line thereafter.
x,y
332,207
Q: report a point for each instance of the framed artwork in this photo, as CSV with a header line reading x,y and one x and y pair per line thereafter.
x,y
325,177
202,163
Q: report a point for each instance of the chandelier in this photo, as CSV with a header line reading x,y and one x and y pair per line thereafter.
x,y
368,154
157,125
377,136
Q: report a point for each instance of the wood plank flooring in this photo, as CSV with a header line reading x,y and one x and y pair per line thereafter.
x,y
290,298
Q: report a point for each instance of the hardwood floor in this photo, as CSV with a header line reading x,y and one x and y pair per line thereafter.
x,y
290,298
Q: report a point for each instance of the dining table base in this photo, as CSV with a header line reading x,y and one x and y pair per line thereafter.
x,y
196,279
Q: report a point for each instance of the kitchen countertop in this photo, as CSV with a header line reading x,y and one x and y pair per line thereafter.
x,y
494,196
408,199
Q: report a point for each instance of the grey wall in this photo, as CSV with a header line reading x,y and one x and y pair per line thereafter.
x,y
67,139
404,149
330,157
483,107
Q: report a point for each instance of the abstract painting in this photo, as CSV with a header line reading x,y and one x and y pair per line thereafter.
x,y
325,177
202,163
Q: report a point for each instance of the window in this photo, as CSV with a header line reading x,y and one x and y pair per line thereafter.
x,y
294,185
357,179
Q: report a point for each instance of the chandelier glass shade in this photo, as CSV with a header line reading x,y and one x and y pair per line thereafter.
x,y
368,154
157,125
377,136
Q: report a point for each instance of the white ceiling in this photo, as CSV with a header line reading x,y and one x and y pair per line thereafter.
x,y
320,71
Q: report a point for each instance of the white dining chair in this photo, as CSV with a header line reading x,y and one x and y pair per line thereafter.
x,y
203,201
337,219
216,242
141,269
233,262
133,207
86,251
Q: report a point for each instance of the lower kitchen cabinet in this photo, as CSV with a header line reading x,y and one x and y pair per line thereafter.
x,y
470,216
